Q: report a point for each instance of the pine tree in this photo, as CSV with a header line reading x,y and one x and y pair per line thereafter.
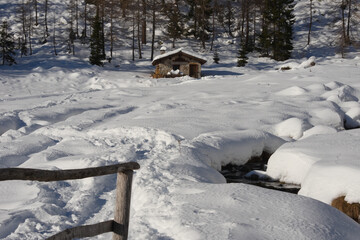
x,y
310,20
282,45
265,38
7,45
96,42
276,36
154,19
242,58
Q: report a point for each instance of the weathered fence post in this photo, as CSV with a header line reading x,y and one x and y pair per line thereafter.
x,y
119,225
122,205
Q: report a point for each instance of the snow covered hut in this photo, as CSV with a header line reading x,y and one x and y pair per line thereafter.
x,y
177,63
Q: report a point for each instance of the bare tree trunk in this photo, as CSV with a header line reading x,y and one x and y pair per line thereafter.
x,y
23,18
213,25
229,8
103,28
73,48
143,22
242,20
85,20
349,22
310,22
36,12
247,27
254,26
111,29
343,6
29,33
133,34
153,29
54,33
46,34
195,22
77,18
138,29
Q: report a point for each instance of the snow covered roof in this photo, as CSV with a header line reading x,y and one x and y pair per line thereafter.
x,y
199,58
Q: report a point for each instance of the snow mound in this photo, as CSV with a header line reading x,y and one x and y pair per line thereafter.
x,y
289,66
292,91
341,94
12,198
317,130
294,65
327,180
308,63
334,84
10,121
329,116
352,118
323,170
317,87
221,148
292,128
20,149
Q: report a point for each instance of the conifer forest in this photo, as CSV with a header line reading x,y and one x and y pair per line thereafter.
x,y
104,26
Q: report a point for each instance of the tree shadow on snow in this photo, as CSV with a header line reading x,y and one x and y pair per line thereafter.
x,y
214,72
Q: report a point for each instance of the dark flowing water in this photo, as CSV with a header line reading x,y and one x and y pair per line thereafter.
x,y
243,174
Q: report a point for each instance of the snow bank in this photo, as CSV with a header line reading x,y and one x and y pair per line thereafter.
x,y
328,180
326,166
352,117
291,128
340,94
292,91
14,198
18,152
236,147
319,129
310,62
10,121
334,104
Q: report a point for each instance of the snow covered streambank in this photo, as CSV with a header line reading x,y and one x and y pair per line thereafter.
x,y
326,166
218,149
176,194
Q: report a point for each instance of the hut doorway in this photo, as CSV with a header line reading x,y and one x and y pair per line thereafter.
x,y
193,71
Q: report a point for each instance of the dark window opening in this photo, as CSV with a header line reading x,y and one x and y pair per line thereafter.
x,y
176,67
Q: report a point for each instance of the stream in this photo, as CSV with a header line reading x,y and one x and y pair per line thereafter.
x,y
251,173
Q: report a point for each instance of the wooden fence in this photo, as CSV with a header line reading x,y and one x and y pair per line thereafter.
x,y
119,226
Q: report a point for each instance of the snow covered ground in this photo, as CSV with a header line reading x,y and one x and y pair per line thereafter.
x,y
62,114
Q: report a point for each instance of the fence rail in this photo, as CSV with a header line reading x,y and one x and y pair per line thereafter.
x,y
84,231
60,175
119,226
